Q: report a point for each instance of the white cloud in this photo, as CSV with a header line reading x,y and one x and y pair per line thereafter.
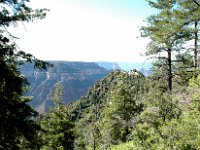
x,y
73,33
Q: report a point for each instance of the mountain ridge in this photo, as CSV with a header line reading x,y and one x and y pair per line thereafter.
x,y
76,78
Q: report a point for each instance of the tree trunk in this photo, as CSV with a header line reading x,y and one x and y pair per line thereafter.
x,y
169,69
195,44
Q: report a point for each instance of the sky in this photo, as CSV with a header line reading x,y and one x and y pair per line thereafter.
x,y
86,30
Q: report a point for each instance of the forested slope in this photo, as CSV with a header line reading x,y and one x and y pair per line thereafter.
x,y
126,110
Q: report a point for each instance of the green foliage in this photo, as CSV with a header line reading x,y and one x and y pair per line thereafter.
x,y
168,121
125,146
106,115
18,129
168,31
127,111
125,103
57,94
56,125
57,130
195,81
147,113
138,114
183,71
188,18
13,11
164,123
124,110
89,112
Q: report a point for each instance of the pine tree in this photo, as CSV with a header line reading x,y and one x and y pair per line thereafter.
x,y
18,130
188,14
56,125
164,31
125,104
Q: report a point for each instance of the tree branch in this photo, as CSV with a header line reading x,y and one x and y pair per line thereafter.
x,y
196,2
9,33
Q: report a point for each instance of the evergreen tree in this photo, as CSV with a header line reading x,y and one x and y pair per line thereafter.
x,y
18,130
125,104
163,30
56,125
183,68
188,14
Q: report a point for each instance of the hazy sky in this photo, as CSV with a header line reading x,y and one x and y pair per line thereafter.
x,y
86,30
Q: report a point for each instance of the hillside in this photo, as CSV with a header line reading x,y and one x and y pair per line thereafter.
x,y
76,78
126,110
90,111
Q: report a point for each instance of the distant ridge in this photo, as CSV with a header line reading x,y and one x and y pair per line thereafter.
x,y
143,67
109,65
76,79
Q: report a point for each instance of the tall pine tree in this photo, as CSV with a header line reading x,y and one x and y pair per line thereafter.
x,y
163,29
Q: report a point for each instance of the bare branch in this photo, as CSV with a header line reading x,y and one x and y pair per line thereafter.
x,y
14,37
